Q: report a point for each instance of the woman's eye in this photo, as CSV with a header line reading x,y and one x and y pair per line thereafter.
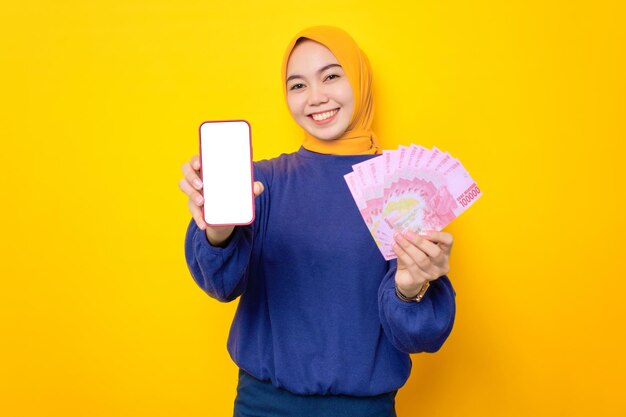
x,y
332,76
296,86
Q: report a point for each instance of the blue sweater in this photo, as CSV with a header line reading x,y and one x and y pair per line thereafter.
x,y
318,312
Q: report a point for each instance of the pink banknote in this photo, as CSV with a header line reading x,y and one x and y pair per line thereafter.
x,y
410,188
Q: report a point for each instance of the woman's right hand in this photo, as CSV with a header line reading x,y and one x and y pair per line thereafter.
x,y
192,186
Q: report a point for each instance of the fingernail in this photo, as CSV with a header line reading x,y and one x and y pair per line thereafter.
x,y
398,236
197,183
199,199
410,234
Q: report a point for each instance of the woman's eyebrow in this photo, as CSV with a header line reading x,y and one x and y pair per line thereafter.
x,y
319,71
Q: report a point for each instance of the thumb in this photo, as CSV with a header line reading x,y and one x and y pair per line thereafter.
x,y
401,257
258,188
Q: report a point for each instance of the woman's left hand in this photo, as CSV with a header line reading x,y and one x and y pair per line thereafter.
x,y
421,259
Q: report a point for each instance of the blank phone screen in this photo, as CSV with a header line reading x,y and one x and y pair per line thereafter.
x,y
226,158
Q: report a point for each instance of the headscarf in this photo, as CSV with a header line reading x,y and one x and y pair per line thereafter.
x,y
359,137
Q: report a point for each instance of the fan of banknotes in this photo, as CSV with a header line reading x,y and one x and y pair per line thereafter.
x,y
412,188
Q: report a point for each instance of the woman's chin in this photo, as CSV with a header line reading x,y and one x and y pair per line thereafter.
x,y
325,134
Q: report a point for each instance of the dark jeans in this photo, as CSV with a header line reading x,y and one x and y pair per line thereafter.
x,y
257,398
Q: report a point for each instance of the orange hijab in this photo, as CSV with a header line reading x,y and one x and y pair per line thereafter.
x,y
359,138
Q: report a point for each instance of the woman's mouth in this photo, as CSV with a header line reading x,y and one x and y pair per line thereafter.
x,y
324,117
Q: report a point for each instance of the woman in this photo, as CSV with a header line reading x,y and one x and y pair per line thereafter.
x,y
325,325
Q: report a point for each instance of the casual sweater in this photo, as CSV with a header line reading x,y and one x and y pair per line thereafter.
x,y
318,313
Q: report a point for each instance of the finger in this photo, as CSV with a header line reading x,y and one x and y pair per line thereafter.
x,y
196,213
406,262
429,268
191,192
193,195
429,248
418,257
420,266
195,162
258,188
192,176
443,239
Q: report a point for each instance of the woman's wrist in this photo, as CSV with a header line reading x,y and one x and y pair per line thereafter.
x,y
409,293
219,237
414,295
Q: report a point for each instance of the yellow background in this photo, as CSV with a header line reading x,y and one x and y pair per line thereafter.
x,y
101,103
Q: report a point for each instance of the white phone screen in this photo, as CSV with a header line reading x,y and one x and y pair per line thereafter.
x,y
226,169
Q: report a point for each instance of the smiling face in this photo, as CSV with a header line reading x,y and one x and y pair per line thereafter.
x,y
319,95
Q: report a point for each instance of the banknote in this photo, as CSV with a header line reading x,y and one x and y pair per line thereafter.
x,y
411,187
369,204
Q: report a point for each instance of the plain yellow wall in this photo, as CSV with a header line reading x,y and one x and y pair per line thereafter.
x,y
101,102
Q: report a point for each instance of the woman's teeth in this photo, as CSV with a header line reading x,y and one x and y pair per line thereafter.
x,y
324,116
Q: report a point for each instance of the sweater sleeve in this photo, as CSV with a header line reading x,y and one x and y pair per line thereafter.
x,y
221,272
417,327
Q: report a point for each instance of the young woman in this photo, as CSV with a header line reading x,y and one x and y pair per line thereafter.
x,y
324,325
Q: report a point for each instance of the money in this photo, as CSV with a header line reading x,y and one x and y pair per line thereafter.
x,y
411,187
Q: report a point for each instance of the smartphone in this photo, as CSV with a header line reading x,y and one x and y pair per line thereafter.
x,y
226,172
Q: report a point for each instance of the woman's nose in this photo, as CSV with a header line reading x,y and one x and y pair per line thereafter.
x,y
317,95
